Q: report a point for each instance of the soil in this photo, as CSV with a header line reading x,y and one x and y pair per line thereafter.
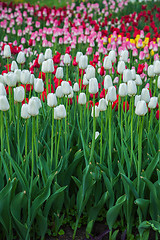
x,y
98,230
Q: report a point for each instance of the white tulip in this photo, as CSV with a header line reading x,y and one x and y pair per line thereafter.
x,y
19,94
48,54
38,85
107,82
82,98
132,88
76,87
67,59
59,112
93,85
24,111
138,80
145,95
59,92
59,73
7,51
141,108
136,99
25,77
153,102
102,105
2,89
4,104
96,111
14,66
111,95
107,64
122,91
83,62
51,100
120,67
21,58
90,72
127,75
78,55
66,88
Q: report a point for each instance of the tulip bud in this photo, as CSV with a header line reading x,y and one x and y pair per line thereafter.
x,y
107,82
85,81
124,56
10,79
132,88
111,95
96,135
107,64
24,111
141,108
145,95
71,94
33,107
51,100
59,92
93,85
38,85
21,58
133,72
66,88
136,99
120,67
59,73
127,75
17,73
14,66
83,62
67,59
90,72
153,102
102,105
82,98
41,58
59,112
2,89
76,87
158,82
96,111
151,71
4,104
45,67
50,65
2,79
25,77
19,94
112,56
157,67
138,80
32,79
122,90
7,51
48,54
78,55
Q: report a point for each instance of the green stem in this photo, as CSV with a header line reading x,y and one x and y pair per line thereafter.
x,y
101,153
81,81
66,124
67,73
94,130
52,137
47,83
122,160
58,143
110,142
119,99
10,102
8,145
2,126
18,119
139,152
132,111
26,140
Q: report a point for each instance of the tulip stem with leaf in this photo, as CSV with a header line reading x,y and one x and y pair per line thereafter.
x,y
132,114
101,152
18,120
2,145
52,136
66,124
119,98
8,145
94,130
110,141
60,129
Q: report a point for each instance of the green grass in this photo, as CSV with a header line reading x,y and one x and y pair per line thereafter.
x,y
49,3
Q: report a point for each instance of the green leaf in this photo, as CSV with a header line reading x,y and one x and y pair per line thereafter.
x,y
20,174
109,189
152,166
77,182
143,204
130,183
18,204
113,212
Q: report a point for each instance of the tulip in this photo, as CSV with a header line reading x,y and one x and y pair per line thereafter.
x,y
127,75
141,108
19,94
145,95
41,58
59,73
96,135
157,67
4,104
138,80
59,112
151,71
7,51
158,82
44,67
67,59
50,65
82,98
107,82
90,72
51,100
78,55
124,56
38,85
96,111
102,105
2,90
107,64
120,67
17,73
132,89
112,56
10,79
153,102
122,91
133,72
21,58
136,99
59,92
76,87
2,79
48,54
25,77
111,95
83,62
33,107
14,66
66,88
85,81
24,111
93,85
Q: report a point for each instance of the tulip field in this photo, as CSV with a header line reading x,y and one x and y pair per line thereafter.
x,y
79,120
